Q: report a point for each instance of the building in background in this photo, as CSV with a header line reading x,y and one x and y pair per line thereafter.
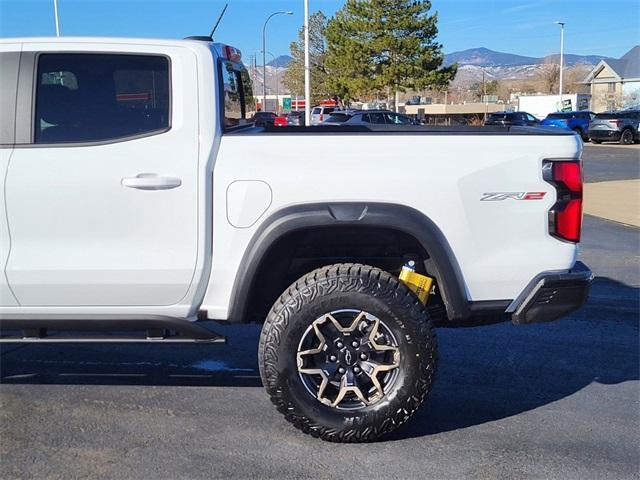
x,y
616,83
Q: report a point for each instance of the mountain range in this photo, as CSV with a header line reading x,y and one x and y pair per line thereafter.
x,y
483,57
280,61
473,64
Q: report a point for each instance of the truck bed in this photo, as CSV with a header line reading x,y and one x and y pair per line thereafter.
x,y
403,130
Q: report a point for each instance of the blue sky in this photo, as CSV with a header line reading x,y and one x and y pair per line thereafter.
x,y
525,27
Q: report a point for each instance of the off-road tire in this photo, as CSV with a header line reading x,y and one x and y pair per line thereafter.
x,y
347,286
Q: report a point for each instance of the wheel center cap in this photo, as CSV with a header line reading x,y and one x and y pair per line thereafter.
x,y
349,357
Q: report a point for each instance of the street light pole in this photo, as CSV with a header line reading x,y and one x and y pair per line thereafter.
x,y
264,55
55,15
561,56
307,73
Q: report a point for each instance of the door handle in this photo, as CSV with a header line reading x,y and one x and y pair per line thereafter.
x,y
151,181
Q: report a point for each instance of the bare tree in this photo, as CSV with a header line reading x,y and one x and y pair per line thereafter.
x,y
574,79
548,78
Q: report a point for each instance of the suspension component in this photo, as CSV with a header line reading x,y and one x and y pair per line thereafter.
x,y
417,283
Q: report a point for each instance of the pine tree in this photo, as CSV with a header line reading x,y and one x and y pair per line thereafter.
x,y
294,76
384,47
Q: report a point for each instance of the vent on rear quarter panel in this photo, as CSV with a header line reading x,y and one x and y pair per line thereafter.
x,y
565,217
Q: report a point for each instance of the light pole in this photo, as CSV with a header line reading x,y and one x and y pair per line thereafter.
x,y
277,82
307,76
264,55
561,56
55,15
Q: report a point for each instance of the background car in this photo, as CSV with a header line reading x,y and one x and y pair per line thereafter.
x,y
512,119
620,126
320,113
295,118
368,117
262,119
576,121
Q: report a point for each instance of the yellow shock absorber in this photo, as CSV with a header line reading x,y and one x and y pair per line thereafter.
x,y
418,284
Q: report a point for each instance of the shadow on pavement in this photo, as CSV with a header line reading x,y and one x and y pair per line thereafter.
x,y
495,372
485,373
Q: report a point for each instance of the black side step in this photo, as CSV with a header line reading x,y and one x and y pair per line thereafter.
x,y
157,330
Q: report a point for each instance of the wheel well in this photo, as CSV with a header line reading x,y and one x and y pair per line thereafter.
x,y
299,252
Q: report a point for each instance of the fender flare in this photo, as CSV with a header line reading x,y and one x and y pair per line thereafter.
x,y
442,262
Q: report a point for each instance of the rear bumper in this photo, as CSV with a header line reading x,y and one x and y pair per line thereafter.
x,y
604,134
552,295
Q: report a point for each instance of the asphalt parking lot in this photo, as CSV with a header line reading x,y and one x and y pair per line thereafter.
x,y
558,400
609,162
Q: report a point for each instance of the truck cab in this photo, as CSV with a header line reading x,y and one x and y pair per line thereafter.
x,y
106,169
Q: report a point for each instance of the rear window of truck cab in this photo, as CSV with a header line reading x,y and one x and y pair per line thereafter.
x,y
238,104
93,97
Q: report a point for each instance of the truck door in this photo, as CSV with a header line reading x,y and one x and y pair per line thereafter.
x,y
9,67
102,197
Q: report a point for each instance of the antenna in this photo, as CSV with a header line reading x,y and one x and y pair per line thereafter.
x,y
204,38
215,27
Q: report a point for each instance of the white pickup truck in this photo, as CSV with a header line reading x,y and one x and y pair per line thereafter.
x,y
137,196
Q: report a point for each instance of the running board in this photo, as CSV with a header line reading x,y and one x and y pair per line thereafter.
x,y
159,330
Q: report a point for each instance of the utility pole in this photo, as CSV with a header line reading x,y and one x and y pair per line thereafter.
x,y
484,89
307,73
561,57
55,14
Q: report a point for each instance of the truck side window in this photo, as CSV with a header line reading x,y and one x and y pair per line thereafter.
x,y
238,96
97,97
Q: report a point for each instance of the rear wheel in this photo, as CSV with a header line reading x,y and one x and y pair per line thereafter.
x,y
347,353
626,138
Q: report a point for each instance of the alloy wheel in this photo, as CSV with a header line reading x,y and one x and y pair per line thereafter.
x,y
348,359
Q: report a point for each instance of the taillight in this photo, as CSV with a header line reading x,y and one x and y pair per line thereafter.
x,y
565,217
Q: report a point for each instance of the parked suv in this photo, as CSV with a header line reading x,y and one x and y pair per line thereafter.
x,y
511,118
320,113
368,117
621,126
576,121
263,119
